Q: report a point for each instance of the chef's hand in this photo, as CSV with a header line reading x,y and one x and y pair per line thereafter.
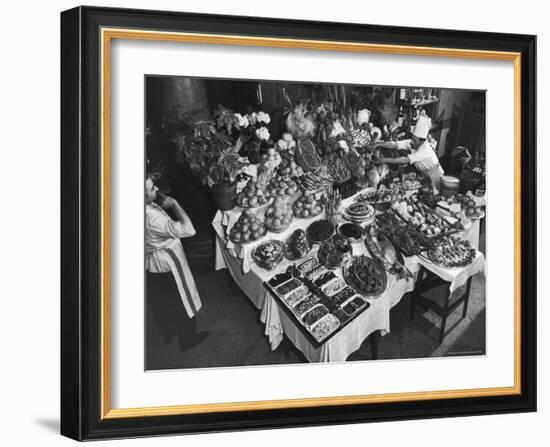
x,y
167,202
380,161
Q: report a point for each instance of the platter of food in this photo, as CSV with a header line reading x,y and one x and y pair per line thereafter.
x,y
333,286
314,181
417,213
279,279
305,304
317,299
335,252
288,286
379,194
314,314
365,276
342,296
358,212
319,231
354,304
296,295
268,254
382,251
306,265
324,327
451,252
324,278
405,237
316,272
248,228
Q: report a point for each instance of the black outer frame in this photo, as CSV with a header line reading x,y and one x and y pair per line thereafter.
x,y
81,205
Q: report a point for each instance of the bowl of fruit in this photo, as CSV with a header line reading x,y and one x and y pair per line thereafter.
x,y
307,206
471,209
319,231
278,216
289,167
252,195
282,186
269,254
248,228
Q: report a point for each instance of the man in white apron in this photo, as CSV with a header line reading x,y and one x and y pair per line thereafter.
x,y
422,154
171,290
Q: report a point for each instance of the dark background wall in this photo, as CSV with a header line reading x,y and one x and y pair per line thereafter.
x,y
459,116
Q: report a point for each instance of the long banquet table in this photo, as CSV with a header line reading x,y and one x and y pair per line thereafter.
x,y
250,278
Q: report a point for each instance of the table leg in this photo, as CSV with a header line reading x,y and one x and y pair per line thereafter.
x,y
414,294
373,338
468,285
444,316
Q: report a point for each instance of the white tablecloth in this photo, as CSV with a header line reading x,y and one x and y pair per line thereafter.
x,y
277,322
455,276
224,221
250,278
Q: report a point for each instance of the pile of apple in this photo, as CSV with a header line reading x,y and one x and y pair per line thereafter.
x,y
252,195
467,204
248,228
278,216
288,166
280,186
307,206
469,207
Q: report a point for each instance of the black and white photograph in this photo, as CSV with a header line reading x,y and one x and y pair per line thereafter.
x,y
295,222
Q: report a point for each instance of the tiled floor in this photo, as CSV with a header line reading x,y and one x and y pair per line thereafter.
x,y
237,336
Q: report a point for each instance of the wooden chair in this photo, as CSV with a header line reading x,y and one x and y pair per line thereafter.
x,y
433,293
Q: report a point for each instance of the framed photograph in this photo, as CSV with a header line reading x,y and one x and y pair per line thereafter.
x,y
273,223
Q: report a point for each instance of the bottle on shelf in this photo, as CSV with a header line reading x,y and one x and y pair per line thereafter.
x,y
400,117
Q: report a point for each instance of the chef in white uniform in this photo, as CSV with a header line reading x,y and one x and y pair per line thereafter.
x,y
171,290
422,154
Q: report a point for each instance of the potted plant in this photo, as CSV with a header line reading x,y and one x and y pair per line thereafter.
x,y
212,148
222,176
213,156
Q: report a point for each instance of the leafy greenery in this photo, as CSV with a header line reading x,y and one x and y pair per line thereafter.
x,y
209,148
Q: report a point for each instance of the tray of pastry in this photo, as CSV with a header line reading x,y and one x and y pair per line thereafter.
x,y
324,327
354,305
314,314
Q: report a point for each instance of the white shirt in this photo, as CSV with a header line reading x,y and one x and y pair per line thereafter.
x,y
164,253
161,232
424,158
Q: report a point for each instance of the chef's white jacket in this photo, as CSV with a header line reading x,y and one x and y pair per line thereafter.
x,y
164,253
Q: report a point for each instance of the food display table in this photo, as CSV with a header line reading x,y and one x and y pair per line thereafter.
x,y
224,221
251,278
277,321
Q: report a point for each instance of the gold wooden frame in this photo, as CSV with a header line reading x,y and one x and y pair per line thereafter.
x,y
107,35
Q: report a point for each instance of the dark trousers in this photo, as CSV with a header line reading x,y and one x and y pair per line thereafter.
x,y
164,303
